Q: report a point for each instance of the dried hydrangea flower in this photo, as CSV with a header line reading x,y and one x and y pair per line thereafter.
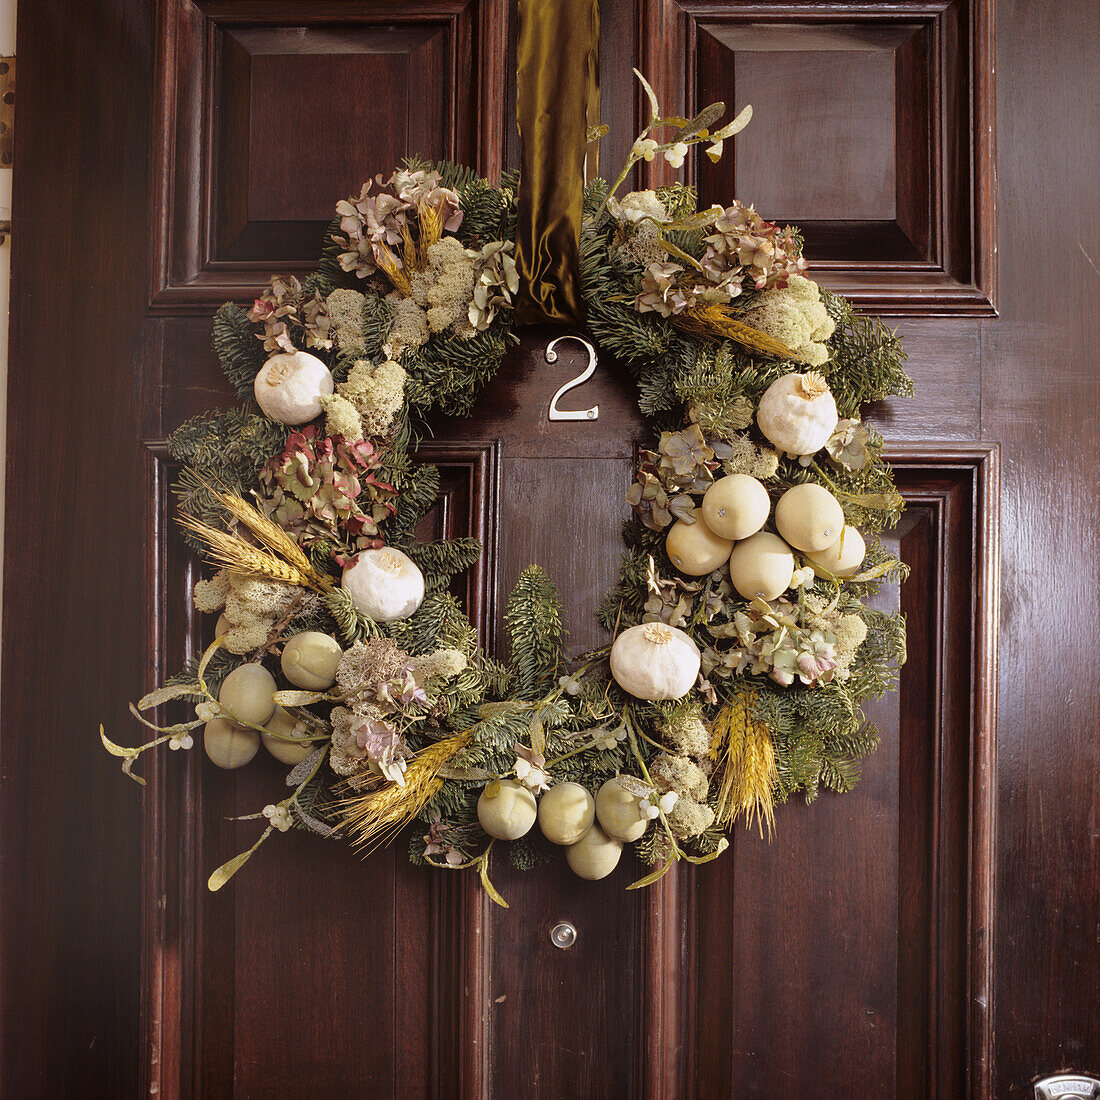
x,y
848,445
284,308
746,248
660,293
495,286
530,769
317,488
373,227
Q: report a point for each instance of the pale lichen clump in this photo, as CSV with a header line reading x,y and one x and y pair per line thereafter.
x,y
341,418
748,458
685,733
689,815
252,608
443,663
795,316
445,287
345,312
210,595
409,328
376,393
638,240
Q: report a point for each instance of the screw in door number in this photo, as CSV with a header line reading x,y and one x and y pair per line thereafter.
x,y
1067,1086
578,414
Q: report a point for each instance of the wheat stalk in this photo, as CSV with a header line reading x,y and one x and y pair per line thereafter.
x,y
431,230
745,759
381,813
265,529
233,552
400,280
711,320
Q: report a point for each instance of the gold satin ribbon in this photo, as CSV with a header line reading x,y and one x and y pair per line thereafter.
x,y
557,99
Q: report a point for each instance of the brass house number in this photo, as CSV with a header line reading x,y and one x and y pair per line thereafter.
x,y
578,414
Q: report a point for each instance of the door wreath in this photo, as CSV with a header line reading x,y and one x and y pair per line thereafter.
x,y
741,642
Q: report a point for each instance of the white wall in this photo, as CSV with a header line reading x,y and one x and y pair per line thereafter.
x,y
7,49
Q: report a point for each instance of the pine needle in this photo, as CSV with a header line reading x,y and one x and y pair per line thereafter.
x,y
380,814
746,762
713,321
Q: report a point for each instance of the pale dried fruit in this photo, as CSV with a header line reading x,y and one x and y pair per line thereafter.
x,y
566,813
384,584
736,506
618,811
809,517
284,723
797,413
229,745
654,661
506,809
695,549
843,558
247,694
289,387
309,660
595,855
761,565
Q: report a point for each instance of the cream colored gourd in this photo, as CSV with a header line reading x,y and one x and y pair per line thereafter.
x,y
797,413
654,661
229,745
843,558
247,694
809,517
506,809
595,855
736,506
761,565
566,813
384,585
290,385
309,660
619,812
695,549
287,752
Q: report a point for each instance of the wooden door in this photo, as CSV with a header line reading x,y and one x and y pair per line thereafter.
x,y
169,156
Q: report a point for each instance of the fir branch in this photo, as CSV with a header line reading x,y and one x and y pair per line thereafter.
x,y
239,351
533,619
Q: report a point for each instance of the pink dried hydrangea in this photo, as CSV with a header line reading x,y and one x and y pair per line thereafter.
x,y
321,488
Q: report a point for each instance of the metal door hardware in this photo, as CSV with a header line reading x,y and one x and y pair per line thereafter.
x,y
552,357
1067,1086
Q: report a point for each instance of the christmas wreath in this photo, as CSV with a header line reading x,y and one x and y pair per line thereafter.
x,y
741,644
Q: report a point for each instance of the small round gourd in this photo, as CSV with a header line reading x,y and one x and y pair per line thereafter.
x,y
619,812
286,752
384,584
506,809
290,385
566,813
247,694
655,661
797,413
595,855
761,565
844,557
229,745
695,549
809,517
736,506
309,660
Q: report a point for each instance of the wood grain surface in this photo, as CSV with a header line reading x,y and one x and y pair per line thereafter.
x,y
932,934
